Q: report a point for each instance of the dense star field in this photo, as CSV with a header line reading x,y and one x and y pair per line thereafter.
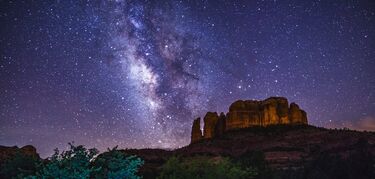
x,y
136,73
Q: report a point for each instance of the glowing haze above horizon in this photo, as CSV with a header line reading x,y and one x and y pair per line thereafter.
x,y
136,73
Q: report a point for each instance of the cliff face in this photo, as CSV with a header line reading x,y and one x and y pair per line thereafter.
x,y
220,125
210,121
244,114
196,133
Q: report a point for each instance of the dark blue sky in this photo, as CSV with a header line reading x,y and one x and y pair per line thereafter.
x,y
136,73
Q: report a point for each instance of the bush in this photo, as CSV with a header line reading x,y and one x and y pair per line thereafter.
x,y
116,164
255,159
204,167
74,163
79,162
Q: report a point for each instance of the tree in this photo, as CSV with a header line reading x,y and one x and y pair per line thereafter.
x,y
74,163
77,162
115,164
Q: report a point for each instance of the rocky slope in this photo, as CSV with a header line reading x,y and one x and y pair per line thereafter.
x,y
284,146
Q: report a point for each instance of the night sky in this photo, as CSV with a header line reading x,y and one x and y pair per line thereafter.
x,y
136,73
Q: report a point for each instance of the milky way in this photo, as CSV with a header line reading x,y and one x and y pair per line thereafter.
x,y
161,61
136,73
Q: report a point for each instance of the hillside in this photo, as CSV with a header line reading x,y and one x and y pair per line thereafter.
x,y
284,147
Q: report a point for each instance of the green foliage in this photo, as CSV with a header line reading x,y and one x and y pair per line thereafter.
x,y
204,167
77,162
19,166
255,159
74,163
115,164
252,158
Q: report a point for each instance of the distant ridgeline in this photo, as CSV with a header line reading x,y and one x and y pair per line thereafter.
x,y
244,114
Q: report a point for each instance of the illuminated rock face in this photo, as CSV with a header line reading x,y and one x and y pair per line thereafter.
x,y
210,121
196,133
296,115
244,114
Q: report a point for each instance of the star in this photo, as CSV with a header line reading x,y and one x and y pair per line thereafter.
x,y
137,73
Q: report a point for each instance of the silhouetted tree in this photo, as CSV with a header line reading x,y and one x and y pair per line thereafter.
x,y
115,164
74,163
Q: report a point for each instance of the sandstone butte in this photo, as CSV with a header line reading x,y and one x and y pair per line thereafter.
x,y
249,113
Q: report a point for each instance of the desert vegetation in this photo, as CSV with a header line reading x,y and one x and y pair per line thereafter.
x,y
77,162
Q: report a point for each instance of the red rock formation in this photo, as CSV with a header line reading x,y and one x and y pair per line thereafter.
x,y
196,133
244,114
296,115
9,152
220,125
210,121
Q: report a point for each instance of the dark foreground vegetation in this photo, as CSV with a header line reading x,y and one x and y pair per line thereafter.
x,y
266,153
78,162
252,165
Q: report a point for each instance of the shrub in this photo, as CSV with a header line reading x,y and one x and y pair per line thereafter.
x,y
204,167
74,163
255,159
77,162
116,164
